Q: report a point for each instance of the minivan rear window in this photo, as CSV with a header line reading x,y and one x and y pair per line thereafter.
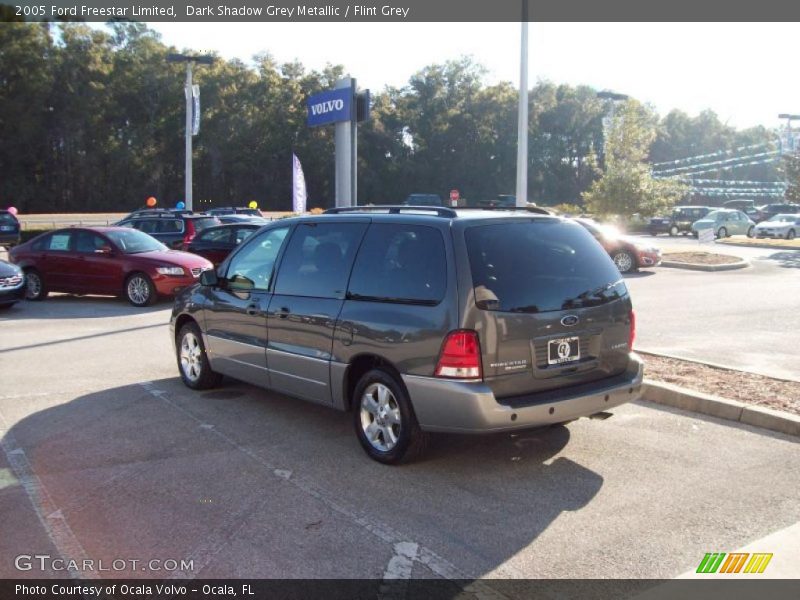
x,y
538,266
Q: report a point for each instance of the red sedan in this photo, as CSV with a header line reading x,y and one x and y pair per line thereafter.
x,y
105,260
627,253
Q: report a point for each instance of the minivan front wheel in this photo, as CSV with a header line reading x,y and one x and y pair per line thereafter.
x,y
193,362
385,422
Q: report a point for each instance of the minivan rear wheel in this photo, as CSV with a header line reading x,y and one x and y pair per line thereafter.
x,y
384,419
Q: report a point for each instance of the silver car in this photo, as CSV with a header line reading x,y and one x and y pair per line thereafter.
x,y
783,226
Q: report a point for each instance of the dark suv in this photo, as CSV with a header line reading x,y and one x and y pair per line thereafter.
x,y
680,221
174,229
418,320
9,229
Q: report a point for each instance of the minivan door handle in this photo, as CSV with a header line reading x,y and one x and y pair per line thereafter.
x,y
252,309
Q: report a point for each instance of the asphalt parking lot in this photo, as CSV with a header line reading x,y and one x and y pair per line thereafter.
x,y
740,318
106,455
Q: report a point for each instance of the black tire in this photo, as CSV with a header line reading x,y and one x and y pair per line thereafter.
x,y
196,372
625,261
722,233
411,441
139,290
750,231
35,288
790,234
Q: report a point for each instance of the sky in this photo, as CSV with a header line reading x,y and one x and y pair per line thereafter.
x,y
742,71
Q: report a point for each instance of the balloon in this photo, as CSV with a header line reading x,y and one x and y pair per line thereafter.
x,y
180,205
253,204
12,210
151,202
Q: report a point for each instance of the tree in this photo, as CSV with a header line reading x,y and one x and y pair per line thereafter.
x,y
791,173
628,186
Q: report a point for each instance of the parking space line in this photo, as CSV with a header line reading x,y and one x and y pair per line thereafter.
x,y
437,564
50,515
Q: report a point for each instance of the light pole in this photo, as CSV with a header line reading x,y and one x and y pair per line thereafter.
x,y
189,60
614,97
522,122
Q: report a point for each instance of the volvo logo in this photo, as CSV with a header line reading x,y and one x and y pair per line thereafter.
x,y
563,350
327,106
569,320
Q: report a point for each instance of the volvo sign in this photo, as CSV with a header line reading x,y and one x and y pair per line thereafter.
x,y
331,106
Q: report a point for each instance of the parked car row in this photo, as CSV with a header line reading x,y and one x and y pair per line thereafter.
x,y
683,218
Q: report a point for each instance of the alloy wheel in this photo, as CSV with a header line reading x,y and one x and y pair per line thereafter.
x,y
380,417
191,353
138,290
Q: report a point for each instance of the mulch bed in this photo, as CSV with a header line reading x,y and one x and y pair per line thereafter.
x,y
701,258
733,385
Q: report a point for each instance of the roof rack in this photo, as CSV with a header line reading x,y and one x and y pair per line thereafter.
x,y
532,209
441,211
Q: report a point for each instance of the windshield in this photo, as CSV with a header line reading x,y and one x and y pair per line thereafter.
x,y
7,219
784,218
133,241
539,266
202,223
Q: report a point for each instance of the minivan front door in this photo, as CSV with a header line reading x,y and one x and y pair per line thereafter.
x,y
236,310
309,293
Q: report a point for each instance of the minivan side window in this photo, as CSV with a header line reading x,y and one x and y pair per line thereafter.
x,y
400,263
251,269
318,259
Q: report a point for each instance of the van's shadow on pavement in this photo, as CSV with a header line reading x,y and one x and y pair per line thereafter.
x,y
789,259
181,474
66,306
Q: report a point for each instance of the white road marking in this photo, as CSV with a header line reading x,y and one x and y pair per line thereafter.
x,y
437,564
402,562
49,514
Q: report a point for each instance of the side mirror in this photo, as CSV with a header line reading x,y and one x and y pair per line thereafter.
x,y
209,278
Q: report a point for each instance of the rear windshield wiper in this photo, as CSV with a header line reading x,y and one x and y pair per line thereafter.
x,y
598,294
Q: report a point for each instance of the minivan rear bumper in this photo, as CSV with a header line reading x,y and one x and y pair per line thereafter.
x,y
471,407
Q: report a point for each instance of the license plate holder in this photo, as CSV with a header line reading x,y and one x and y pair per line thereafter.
x,y
563,350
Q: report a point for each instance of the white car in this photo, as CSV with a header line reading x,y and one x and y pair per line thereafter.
x,y
779,226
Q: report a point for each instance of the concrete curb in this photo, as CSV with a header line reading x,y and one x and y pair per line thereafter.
x,y
696,267
722,408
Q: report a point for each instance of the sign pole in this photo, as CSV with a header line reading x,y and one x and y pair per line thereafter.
x,y
345,150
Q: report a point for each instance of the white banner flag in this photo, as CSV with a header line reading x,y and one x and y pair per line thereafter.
x,y
195,109
298,186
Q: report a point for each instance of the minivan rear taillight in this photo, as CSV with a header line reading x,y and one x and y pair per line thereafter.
x,y
460,357
632,333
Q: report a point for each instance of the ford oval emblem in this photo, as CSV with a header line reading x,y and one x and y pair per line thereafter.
x,y
569,320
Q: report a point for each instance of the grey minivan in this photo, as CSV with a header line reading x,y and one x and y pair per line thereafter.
x,y
418,320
